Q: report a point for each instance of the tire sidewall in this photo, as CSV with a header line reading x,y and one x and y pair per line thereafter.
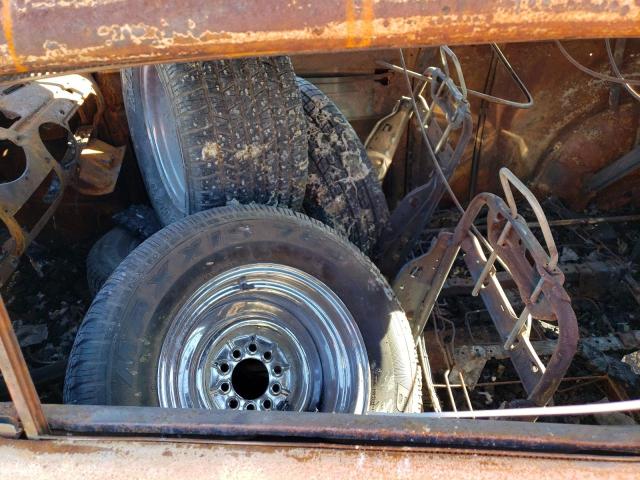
x,y
162,204
106,254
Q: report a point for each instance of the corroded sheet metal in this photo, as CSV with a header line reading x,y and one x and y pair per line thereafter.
x,y
388,430
126,459
41,35
16,375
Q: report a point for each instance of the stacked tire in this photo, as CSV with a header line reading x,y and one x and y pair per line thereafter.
x,y
209,138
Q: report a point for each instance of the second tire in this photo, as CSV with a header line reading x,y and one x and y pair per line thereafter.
x,y
209,133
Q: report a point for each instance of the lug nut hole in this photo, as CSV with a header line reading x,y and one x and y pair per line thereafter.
x,y
251,406
224,387
267,356
253,348
275,388
233,403
236,354
267,404
277,370
224,368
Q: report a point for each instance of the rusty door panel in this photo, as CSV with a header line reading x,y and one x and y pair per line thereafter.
x,y
126,459
60,34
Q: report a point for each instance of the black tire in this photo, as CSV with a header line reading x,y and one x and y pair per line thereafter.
x,y
240,127
134,225
106,254
342,190
115,354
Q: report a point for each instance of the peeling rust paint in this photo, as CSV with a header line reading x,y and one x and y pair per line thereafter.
x,y
147,459
7,28
59,34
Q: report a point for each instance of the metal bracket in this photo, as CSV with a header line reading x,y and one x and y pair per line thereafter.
x,y
53,101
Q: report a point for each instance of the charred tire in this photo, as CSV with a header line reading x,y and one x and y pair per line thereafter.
x,y
118,350
106,254
207,133
342,190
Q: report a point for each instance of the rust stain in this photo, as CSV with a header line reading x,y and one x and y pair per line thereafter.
x,y
7,27
350,20
107,36
359,23
132,459
368,17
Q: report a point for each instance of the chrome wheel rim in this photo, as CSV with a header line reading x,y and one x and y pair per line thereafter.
x,y
162,132
264,337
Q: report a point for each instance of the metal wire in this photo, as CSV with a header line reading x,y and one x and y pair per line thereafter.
x,y
564,410
616,70
593,73
475,93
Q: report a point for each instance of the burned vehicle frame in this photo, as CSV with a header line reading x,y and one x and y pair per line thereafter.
x,y
539,282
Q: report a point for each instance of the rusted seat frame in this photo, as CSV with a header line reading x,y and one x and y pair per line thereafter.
x,y
534,271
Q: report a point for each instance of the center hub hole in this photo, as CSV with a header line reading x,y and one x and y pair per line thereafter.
x,y
250,379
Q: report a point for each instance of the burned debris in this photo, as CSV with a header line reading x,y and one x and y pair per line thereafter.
x,y
523,295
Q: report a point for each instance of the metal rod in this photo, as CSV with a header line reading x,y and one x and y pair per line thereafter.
x,y
565,222
465,391
524,317
159,424
490,262
428,376
615,171
585,409
483,96
16,376
449,391
502,383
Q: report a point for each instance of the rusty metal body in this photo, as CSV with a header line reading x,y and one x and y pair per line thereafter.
x,y
98,168
34,105
16,375
50,126
142,459
565,138
46,36
329,428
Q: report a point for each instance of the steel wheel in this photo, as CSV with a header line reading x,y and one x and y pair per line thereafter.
x,y
263,337
161,128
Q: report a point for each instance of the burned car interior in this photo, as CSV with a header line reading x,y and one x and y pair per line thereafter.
x,y
408,231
